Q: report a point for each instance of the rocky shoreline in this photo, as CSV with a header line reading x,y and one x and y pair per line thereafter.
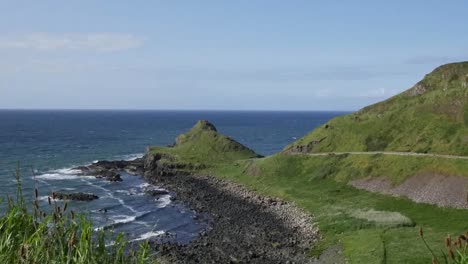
x,y
246,227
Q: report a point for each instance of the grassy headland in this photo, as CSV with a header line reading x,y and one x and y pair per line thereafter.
x,y
372,228
431,117
203,145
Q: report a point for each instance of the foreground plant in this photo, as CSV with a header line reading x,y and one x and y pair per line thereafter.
x,y
456,249
31,235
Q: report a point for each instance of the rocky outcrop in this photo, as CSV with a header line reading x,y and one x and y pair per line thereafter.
x,y
163,164
304,148
155,192
110,170
74,196
416,90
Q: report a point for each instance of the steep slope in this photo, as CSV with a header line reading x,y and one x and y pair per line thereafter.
x,y
204,145
430,117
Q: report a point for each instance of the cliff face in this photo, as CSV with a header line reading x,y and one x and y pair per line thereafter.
x,y
199,148
430,117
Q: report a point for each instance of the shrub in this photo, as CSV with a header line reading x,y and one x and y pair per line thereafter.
x,y
456,250
58,235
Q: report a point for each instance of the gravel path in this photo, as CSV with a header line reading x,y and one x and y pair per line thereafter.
x,y
383,153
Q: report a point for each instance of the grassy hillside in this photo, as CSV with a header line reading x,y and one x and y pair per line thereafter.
x,y
372,228
204,145
431,117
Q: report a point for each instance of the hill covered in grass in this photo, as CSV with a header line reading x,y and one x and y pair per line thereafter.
x,y
430,117
204,145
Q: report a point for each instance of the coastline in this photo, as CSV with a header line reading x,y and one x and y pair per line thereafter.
x,y
243,225
246,227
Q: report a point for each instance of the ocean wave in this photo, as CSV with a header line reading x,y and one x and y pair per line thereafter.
x,y
148,235
130,157
144,185
59,176
46,198
164,200
124,192
111,196
68,171
122,219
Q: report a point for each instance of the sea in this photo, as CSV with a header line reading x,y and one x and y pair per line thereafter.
x,y
44,145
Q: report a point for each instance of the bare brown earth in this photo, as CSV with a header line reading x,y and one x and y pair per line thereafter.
x,y
431,188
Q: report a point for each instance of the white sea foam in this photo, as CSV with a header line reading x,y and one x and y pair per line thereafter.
x,y
46,198
144,185
124,192
68,171
118,219
131,157
123,219
164,200
57,176
148,235
62,174
110,195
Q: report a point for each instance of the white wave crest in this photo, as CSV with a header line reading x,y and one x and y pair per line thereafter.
x,y
164,200
58,176
144,185
148,235
46,198
123,219
131,157
68,171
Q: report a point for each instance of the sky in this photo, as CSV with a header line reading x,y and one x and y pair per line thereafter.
x,y
222,55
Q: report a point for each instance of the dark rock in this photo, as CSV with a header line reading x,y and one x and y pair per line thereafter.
x,y
107,174
156,192
109,170
245,227
74,196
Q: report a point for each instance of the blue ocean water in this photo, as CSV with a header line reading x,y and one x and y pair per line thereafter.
x,y
47,144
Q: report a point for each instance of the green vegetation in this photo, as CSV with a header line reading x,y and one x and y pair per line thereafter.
x,y
347,167
431,117
203,145
372,228
59,236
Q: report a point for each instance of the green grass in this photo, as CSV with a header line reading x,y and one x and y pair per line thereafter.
x,y
373,228
432,122
29,234
204,145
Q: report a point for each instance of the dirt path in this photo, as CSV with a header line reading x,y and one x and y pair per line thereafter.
x,y
385,153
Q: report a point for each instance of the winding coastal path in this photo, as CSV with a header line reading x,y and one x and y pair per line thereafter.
x,y
385,153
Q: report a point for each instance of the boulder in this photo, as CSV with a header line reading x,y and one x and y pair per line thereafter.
x,y
74,196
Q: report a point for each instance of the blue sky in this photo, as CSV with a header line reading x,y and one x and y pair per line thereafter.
x,y
230,55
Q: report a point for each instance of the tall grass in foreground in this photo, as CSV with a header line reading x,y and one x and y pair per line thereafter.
x,y
456,250
31,235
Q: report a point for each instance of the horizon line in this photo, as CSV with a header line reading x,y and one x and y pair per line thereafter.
x,y
168,110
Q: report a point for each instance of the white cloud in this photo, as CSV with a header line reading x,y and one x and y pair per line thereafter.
x,y
103,42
